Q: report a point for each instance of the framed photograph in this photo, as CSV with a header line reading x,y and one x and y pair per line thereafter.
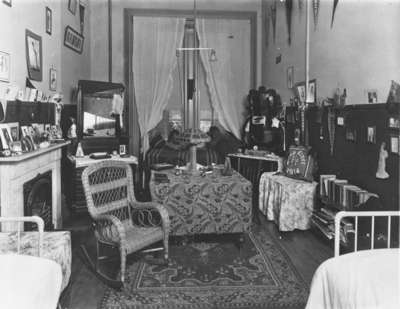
x,y
5,136
14,131
24,131
16,146
8,2
289,76
351,134
372,95
301,92
53,79
340,121
394,123
371,135
73,39
311,94
33,44
4,67
49,20
122,150
72,6
394,144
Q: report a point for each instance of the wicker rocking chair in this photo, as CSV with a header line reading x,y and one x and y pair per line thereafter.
x,y
119,220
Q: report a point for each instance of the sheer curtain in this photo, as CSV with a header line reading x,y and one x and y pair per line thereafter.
x,y
228,78
155,40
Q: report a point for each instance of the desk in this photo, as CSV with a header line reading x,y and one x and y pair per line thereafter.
x,y
251,167
75,196
203,205
287,201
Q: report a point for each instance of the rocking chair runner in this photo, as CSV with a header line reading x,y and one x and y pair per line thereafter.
x,y
120,220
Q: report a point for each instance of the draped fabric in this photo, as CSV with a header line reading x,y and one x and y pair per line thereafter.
x,y
155,40
228,78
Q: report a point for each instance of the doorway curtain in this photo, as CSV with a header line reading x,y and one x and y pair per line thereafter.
x,y
155,40
228,79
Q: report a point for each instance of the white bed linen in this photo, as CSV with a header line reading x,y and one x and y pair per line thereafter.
x,y
364,279
29,282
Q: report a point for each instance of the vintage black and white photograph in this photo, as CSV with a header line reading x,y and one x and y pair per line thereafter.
x,y
196,154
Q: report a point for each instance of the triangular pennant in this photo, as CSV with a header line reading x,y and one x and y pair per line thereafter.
x,y
28,84
273,17
315,4
335,3
289,8
266,24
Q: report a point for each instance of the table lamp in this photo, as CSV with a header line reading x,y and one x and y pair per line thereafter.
x,y
194,137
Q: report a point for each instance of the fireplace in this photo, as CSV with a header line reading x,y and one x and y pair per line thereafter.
x,y
37,200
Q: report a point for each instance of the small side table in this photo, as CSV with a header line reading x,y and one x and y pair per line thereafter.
x,y
251,167
287,201
76,196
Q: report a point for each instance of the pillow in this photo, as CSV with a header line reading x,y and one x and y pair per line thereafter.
x,y
299,164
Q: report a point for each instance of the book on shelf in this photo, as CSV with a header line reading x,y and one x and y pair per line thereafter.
x,y
323,181
329,234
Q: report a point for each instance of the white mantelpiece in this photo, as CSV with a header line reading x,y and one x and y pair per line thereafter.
x,y
15,171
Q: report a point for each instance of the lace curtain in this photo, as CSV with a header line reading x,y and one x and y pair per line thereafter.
x,y
155,40
228,78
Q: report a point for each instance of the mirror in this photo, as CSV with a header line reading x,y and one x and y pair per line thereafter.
x,y
100,109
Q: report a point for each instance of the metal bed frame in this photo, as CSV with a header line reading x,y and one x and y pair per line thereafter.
x,y
35,219
356,214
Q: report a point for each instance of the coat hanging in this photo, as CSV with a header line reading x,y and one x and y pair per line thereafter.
x,y
335,3
315,5
273,17
289,8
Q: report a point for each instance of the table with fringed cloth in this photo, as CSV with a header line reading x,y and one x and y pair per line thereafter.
x,y
56,247
287,201
205,204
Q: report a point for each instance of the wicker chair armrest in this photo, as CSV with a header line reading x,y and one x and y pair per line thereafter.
x,y
109,228
145,212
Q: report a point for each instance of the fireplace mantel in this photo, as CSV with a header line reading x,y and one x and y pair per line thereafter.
x,y
17,170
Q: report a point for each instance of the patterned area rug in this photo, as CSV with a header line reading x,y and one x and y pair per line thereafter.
x,y
214,275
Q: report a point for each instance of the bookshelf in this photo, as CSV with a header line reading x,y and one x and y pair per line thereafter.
x,y
336,195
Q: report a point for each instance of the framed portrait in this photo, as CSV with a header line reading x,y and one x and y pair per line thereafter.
x,y
394,144
14,131
5,136
53,79
72,6
289,76
311,93
301,92
34,62
122,149
394,123
372,95
8,2
73,39
371,135
49,20
340,121
4,67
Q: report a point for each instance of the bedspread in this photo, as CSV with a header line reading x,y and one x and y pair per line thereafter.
x,y
56,247
363,279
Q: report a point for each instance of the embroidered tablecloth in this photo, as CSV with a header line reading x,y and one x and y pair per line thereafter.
x,y
287,201
56,247
205,204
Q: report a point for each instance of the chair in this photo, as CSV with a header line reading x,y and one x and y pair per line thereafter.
x,y
119,220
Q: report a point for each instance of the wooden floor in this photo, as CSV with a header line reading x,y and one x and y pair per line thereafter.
x,y
305,248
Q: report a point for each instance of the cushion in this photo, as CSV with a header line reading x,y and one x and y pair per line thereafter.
x,y
299,164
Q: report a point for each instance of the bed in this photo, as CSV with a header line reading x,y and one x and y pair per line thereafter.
x,y
360,279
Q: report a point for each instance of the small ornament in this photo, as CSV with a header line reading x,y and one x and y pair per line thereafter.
x,y
383,154
79,151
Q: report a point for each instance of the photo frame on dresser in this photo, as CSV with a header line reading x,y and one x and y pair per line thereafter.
x,y
5,136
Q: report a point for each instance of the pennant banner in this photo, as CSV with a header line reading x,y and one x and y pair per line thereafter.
x,y
266,24
289,8
273,17
315,5
335,3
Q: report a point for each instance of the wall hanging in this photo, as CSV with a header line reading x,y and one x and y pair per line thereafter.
x,y
73,40
72,6
289,9
266,24
371,135
49,20
4,67
273,18
331,128
335,3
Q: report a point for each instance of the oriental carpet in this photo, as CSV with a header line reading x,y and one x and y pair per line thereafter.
x,y
214,274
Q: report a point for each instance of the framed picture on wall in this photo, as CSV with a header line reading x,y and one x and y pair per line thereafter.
x,y
73,39
33,43
371,135
4,67
53,79
290,71
394,123
394,144
311,93
72,6
351,134
49,20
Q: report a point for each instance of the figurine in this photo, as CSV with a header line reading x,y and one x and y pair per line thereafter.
x,y
72,129
383,154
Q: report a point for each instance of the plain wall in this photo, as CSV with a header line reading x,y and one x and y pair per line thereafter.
x,y
360,52
30,14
